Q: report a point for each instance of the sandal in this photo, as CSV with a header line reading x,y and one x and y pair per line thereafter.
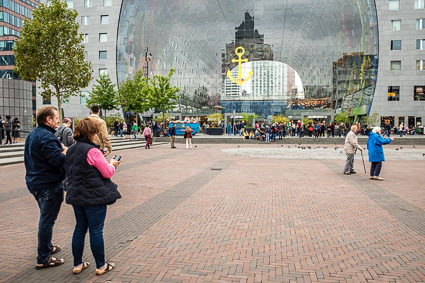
x,y
55,249
109,267
50,263
77,269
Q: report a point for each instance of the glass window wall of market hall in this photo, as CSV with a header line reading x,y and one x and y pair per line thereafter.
x,y
264,57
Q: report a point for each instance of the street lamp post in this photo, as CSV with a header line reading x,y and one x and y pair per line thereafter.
x,y
148,57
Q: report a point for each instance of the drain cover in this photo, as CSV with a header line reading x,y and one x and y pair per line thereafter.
x,y
216,169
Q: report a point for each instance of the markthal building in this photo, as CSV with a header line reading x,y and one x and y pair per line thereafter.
x,y
265,57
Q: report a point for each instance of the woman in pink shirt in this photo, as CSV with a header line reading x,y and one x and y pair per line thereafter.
x,y
147,132
89,191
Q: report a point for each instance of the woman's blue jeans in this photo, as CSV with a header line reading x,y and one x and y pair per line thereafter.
x,y
93,219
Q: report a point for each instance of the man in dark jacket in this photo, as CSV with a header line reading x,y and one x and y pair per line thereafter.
x,y
172,134
8,128
45,170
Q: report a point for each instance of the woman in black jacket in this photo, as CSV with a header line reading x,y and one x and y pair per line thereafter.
x,y
89,191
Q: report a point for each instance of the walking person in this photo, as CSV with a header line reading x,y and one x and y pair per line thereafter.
x,y
229,129
121,127
16,128
147,132
188,137
401,129
89,191
116,127
1,131
268,132
8,129
44,159
350,147
102,138
64,132
135,129
172,134
376,152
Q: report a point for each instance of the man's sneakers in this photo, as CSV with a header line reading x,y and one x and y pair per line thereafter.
x,y
353,172
347,173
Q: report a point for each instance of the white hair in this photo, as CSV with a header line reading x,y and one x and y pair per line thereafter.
x,y
354,127
376,130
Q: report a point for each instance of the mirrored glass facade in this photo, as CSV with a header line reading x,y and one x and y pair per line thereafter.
x,y
330,45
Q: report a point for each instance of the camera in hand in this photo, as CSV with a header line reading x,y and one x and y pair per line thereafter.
x,y
117,157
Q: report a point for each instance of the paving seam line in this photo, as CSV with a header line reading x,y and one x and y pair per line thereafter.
x,y
120,232
404,211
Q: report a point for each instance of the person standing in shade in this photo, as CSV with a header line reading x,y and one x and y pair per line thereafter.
x,y
89,191
376,152
135,129
44,158
64,132
102,138
147,132
188,137
172,134
350,148
16,130
8,129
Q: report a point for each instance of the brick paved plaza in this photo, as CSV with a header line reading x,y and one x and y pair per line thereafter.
x,y
217,213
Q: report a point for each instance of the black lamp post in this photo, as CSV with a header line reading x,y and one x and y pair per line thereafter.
x,y
148,57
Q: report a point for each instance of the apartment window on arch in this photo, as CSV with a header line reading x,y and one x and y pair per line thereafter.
x,y
395,65
419,4
107,3
419,93
103,71
85,38
395,25
103,37
420,23
85,20
88,3
103,55
420,44
395,44
420,65
394,93
104,19
394,5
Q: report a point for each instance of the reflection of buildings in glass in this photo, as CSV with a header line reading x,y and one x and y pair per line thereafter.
x,y
251,40
353,81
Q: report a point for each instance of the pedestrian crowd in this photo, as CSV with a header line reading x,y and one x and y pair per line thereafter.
x,y
10,129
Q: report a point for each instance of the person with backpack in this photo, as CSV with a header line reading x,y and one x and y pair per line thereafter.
x,y
64,132
8,128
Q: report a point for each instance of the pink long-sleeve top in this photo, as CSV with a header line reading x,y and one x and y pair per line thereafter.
x,y
147,131
95,158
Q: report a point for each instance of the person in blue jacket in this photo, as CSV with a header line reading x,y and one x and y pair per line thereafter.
x,y
376,152
44,158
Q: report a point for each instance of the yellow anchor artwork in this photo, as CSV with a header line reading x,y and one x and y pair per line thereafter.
x,y
240,51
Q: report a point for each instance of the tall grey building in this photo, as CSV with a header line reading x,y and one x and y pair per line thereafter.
x,y
357,55
98,21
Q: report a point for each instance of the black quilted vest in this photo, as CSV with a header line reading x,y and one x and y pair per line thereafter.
x,y
85,185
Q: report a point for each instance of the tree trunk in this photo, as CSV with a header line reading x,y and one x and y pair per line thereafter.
x,y
58,96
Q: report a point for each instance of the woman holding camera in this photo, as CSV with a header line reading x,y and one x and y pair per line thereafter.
x,y
89,191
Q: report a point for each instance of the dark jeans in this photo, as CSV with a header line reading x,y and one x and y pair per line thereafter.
x,y
375,169
148,140
49,201
8,138
93,219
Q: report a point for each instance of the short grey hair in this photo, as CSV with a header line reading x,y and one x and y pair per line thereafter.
x,y
353,127
376,130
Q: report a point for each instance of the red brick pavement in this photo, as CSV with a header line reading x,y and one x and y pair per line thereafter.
x,y
256,220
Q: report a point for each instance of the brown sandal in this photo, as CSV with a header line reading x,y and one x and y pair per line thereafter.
x,y
77,269
55,249
109,266
50,263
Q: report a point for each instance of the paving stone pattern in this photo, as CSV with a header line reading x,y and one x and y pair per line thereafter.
x,y
204,215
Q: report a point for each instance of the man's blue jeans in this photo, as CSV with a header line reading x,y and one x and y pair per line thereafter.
x,y
93,219
267,137
49,201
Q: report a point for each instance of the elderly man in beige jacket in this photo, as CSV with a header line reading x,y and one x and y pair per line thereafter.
x,y
102,138
350,148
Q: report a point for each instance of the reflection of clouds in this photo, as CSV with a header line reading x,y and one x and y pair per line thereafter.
x,y
190,35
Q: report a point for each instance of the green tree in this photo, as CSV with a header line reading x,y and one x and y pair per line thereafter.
x,y
162,95
373,120
133,93
51,51
247,118
104,94
280,119
306,121
216,117
342,118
